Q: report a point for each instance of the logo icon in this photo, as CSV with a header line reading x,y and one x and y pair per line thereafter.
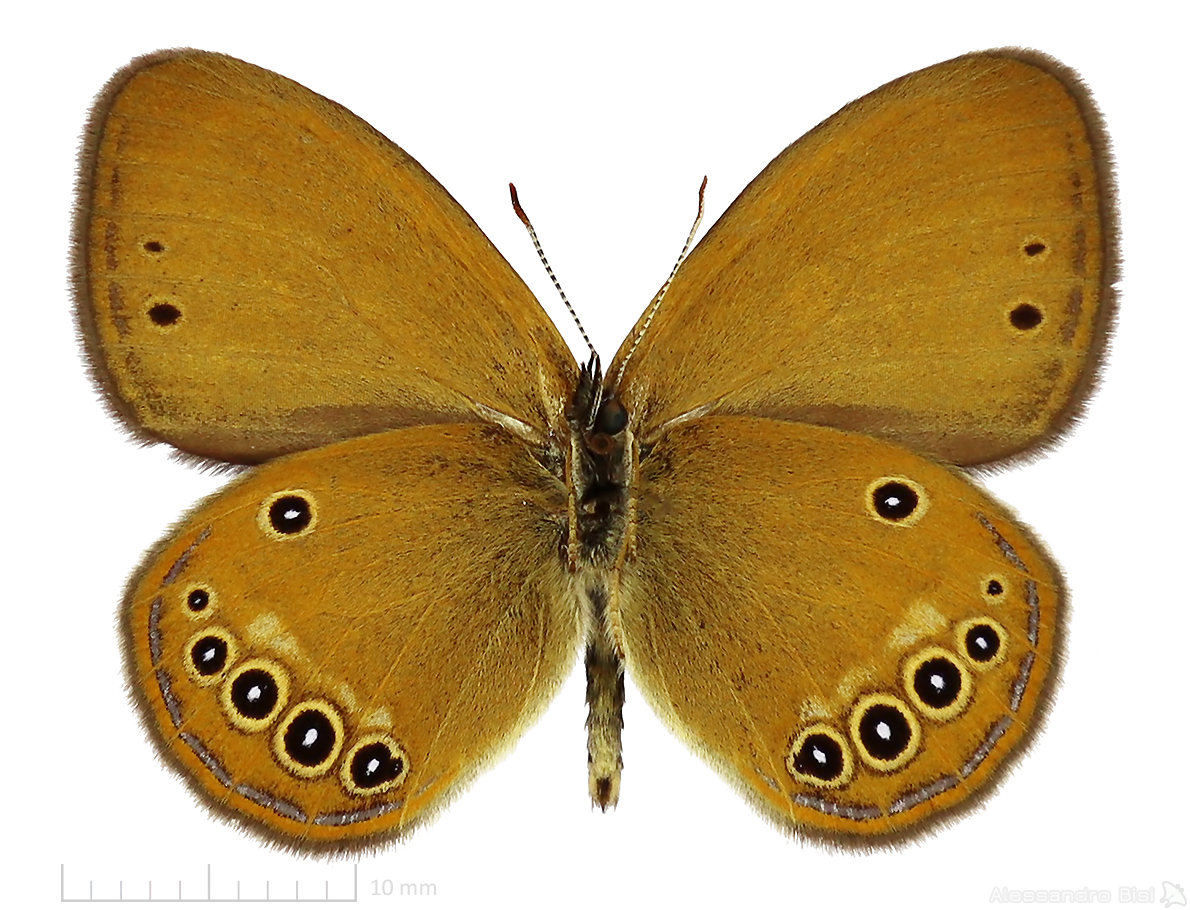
x,y
1173,895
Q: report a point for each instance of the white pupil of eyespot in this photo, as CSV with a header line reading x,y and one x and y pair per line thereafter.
x,y
981,641
937,682
894,500
373,765
291,513
254,693
819,756
310,738
208,653
883,730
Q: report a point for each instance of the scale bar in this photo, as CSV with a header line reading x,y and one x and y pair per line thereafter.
x,y
209,899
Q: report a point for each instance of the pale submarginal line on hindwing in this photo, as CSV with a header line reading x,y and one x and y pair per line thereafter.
x,y
199,748
340,819
839,810
155,629
204,755
1022,680
426,786
772,784
1005,547
268,801
170,699
180,562
989,742
281,807
923,794
1034,603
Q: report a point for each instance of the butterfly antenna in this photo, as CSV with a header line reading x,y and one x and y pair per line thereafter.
x,y
665,287
520,213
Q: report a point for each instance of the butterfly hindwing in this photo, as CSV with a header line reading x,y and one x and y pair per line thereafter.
x,y
855,635
338,641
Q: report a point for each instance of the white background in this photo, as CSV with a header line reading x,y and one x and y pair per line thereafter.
x,y
606,119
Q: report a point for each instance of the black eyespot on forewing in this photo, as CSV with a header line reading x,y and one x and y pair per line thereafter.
x,y
1025,316
164,315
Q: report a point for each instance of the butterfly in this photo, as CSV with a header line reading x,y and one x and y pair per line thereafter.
x,y
760,510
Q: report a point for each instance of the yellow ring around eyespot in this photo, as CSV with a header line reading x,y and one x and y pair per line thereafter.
x,y
345,769
331,713
232,653
203,614
923,502
955,708
961,641
845,775
911,748
252,724
1005,588
266,525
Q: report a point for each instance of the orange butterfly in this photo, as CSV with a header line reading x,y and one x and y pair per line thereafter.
x,y
449,508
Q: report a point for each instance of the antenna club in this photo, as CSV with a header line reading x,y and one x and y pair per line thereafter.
x,y
516,204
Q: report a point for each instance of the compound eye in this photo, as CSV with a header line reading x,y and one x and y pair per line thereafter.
x,y
611,418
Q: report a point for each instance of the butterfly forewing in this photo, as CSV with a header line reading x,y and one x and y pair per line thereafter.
x,y
261,272
932,265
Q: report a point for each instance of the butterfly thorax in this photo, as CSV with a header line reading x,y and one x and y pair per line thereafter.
x,y
600,472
